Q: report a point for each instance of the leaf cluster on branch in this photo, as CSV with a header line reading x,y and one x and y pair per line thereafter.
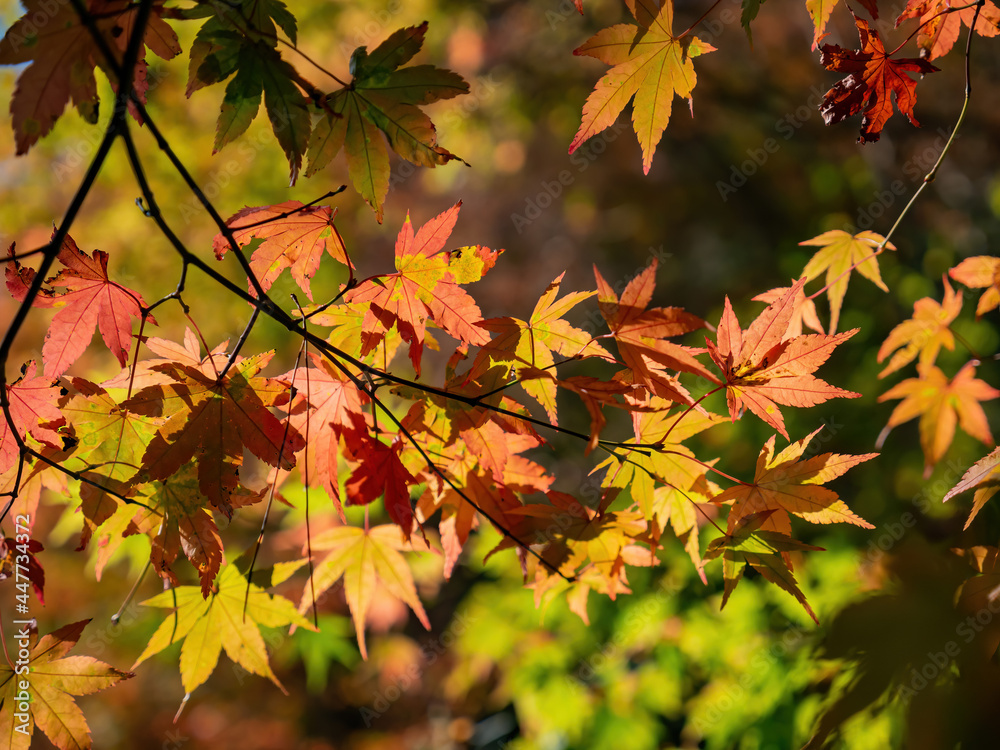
x,y
162,449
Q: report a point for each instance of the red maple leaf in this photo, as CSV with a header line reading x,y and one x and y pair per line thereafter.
x,y
872,77
92,300
33,408
327,407
641,334
381,472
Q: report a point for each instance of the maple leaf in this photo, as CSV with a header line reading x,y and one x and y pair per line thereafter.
x,y
207,626
984,477
176,519
33,405
673,463
763,550
327,407
977,273
843,253
596,393
63,55
147,372
384,97
978,593
819,12
533,342
640,334
293,238
922,335
113,441
678,511
366,559
872,77
784,484
803,311
22,484
92,300
215,420
762,368
382,473
603,541
941,403
242,37
51,679
649,63
423,288
349,335
940,23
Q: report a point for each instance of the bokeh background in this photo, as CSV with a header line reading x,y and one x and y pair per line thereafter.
x,y
663,667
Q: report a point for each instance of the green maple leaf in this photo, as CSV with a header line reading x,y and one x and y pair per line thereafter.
x,y
748,544
242,38
207,626
383,97
50,682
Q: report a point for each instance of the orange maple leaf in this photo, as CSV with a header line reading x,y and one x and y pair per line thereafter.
x,y
763,368
984,477
872,77
63,55
214,421
785,484
641,335
924,334
941,404
533,342
651,64
841,254
982,271
803,311
293,237
423,288
940,23
328,407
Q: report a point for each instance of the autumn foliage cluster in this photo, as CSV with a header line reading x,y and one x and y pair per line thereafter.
x,y
431,447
